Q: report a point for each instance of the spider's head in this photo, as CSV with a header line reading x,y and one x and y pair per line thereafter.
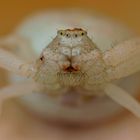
x,y
67,59
71,37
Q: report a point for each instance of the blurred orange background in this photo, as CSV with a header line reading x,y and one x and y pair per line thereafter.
x,y
12,11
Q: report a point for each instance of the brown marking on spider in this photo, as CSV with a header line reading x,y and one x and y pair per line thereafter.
x,y
42,58
75,29
71,68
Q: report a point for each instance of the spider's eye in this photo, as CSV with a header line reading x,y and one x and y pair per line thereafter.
x,y
61,33
68,35
82,33
76,35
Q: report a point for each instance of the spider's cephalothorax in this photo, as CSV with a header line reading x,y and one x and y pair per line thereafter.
x,y
70,60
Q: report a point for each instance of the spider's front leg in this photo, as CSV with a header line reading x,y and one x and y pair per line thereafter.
x,y
122,61
14,64
10,61
123,98
14,51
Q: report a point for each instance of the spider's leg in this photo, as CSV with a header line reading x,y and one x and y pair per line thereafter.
x,y
123,59
16,90
123,98
14,51
18,45
12,63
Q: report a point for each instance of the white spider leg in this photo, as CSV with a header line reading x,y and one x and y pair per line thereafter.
x,y
18,45
123,98
13,50
123,59
12,63
16,90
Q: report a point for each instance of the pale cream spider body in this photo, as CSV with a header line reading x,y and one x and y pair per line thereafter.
x,y
80,62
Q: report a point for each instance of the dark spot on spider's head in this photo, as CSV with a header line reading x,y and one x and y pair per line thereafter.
x,y
42,58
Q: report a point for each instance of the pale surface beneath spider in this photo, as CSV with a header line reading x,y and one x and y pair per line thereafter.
x,y
73,68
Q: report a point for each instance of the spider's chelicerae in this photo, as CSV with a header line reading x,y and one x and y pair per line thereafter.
x,y
75,62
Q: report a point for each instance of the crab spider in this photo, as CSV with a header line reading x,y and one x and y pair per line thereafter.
x,y
72,61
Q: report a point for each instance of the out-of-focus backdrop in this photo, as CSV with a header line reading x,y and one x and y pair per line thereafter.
x,y
13,11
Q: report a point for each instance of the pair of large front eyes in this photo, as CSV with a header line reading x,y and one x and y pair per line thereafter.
x,y
68,35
